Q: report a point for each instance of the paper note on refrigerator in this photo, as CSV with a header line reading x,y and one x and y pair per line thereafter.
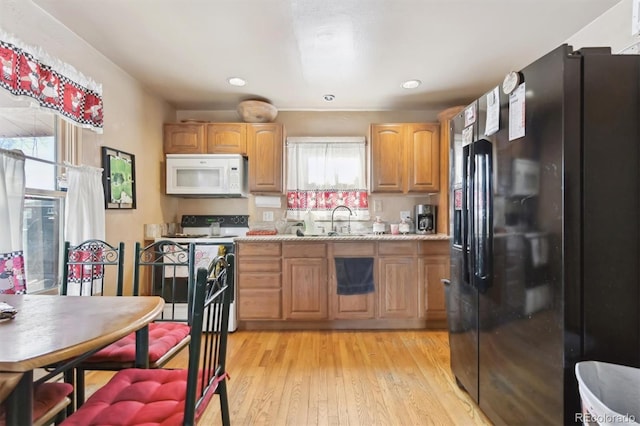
x,y
517,113
493,112
467,135
470,115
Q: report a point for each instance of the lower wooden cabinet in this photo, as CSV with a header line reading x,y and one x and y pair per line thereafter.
x,y
259,281
432,269
433,266
397,287
305,288
354,306
304,281
295,283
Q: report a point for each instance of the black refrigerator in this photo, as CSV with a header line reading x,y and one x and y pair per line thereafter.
x,y
545,213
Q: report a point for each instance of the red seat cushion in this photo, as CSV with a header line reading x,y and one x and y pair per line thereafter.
x,y
162,337
45,397
137,396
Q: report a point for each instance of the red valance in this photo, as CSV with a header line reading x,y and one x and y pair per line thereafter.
x,y
53,85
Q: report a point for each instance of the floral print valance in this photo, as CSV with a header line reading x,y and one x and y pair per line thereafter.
x,y
52,84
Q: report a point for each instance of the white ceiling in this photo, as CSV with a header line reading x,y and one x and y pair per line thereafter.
x,y
292,52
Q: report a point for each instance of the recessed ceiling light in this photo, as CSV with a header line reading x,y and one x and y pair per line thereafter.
x,y
411,84
328,98
236,81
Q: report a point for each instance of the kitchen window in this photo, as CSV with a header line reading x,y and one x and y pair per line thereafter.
x,y
323,173
42,136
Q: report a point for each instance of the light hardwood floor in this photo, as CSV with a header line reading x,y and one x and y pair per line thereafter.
x,y
368,378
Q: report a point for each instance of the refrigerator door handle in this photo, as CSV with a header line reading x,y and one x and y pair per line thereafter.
x,y
465,230
472,214
482,218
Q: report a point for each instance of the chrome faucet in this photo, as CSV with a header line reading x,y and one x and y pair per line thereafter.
x,y
333,212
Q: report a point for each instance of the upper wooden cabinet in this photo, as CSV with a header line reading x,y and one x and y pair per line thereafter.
x,y
184,138
265,146
405,158
445,118
262,143
205,138
226,138
387,157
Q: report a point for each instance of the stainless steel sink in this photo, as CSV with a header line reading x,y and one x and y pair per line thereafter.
x,y
332,234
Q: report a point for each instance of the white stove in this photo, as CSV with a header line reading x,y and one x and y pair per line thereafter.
x,y
195,229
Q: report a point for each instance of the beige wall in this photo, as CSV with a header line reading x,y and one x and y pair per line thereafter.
x,y
612,28
312,123
132,119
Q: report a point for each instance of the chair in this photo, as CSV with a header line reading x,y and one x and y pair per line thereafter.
x,y
173,396
168,335
49,399
85,267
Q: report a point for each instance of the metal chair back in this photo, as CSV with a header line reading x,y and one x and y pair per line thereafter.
x,y
85,267
208,347
168,267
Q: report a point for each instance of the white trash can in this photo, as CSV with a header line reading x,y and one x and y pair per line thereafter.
x,y
609,393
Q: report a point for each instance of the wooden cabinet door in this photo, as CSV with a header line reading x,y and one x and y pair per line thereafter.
x,y
387,158
226,138
397,287
355,306
423,157
265,145
183,138
305,289
445,118
432,270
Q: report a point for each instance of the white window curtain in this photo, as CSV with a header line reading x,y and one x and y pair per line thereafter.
x,y
84,220
12,190
323,173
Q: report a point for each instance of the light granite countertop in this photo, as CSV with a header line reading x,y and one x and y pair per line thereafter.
x,y
324,238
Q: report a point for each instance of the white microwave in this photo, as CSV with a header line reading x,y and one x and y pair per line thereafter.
x,y
206,175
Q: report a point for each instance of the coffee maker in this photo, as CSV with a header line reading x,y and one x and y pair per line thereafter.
x,y
425,215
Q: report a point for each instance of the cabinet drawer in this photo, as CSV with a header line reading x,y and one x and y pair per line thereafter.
x,y
393,248
259,280
354,249
260,304
433,247
259,249
304,250
259,264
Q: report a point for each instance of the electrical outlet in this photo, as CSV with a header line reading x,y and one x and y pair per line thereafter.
x,y
404,214
267,216
377,206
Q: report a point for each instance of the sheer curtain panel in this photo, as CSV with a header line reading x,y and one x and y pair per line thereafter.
x,y
323,173
12,190
84,219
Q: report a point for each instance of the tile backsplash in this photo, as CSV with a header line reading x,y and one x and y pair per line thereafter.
x,y
390,208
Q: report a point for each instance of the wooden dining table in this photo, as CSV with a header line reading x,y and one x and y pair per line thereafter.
x,y
49,330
